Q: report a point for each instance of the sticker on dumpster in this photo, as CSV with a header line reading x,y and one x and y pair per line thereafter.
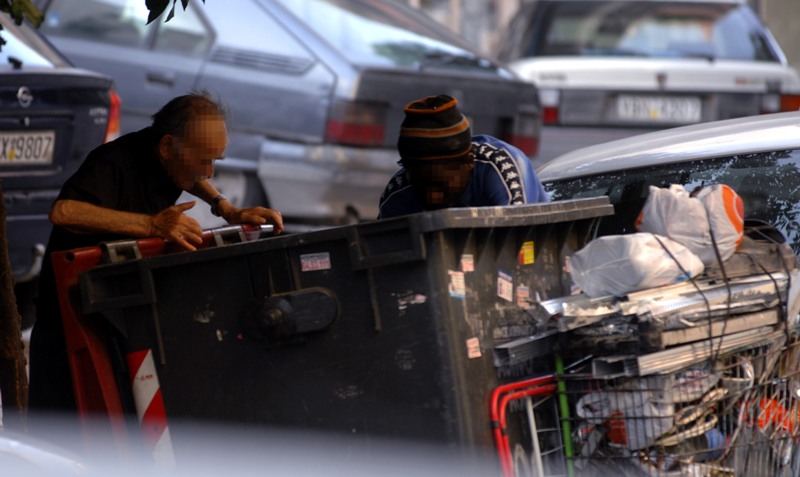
x,y
467,263
505,286
526,256
310,262
523,296
457,288
473,348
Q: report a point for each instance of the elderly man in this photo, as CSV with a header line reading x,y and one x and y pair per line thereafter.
x,y
127,188
445,166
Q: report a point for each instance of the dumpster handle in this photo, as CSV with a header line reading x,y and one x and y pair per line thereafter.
x,y
386,242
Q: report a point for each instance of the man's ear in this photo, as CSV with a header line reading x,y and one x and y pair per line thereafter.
x,y
165,145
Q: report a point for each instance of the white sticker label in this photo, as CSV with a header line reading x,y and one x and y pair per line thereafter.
x,y
315,261
467,263
457,288
523,296
473,348
505,286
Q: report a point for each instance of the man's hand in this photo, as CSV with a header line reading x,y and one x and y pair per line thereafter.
x,y
172,224
251,215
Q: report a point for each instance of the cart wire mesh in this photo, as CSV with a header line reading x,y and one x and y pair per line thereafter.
x,y
734,414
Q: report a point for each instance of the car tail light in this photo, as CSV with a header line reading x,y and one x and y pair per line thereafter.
x,y
357,123
790,102
114,114
523,133
776,103
549,98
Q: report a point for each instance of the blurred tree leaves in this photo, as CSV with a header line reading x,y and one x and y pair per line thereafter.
x,y
20,10
157,7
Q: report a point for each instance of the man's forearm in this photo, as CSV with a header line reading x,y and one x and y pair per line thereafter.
x,y
83,217
204,190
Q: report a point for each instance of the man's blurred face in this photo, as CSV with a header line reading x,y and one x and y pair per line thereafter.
x,y
190,158
439,183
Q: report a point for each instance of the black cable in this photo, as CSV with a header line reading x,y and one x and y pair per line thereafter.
x,y
685,273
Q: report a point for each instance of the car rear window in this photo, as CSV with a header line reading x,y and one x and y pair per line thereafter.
x,y
25,47
382,34
769,184
651,29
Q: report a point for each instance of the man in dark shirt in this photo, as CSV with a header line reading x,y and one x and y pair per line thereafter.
x,y
127,189
444,165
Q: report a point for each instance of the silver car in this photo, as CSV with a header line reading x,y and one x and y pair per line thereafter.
x,y
758,156
613,68
315,88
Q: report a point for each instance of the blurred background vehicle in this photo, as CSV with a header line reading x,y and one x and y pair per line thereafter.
x,y
758,156
608,69
52,115
315,88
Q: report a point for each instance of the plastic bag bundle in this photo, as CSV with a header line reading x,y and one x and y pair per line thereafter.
x,y
619,264
725,216
688,220
632,418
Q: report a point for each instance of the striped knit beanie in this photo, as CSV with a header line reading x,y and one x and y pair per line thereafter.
x,y
433,128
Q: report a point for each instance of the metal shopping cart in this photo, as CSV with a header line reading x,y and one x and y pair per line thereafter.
x,y
733,413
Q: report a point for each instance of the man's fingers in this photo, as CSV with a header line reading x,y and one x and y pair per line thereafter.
x,y
185,205
188,239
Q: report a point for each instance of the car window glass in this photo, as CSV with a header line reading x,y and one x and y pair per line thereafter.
x,y
185,33
118,22
373,33
25,50
659,29
769,184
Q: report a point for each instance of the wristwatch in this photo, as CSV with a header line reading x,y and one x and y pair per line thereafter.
x,y
215,204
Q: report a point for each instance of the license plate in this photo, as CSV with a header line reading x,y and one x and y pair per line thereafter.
x,y
659,109
26,147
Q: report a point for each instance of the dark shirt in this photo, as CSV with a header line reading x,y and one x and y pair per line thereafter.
x,y
502,175
124,175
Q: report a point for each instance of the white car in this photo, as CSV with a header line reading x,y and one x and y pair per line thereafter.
x,y
758,156
607,69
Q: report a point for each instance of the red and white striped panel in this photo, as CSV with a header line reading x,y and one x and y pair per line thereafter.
x,y
150,406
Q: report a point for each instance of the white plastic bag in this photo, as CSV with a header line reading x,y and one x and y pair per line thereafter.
x,y
632,418
690,221
619,264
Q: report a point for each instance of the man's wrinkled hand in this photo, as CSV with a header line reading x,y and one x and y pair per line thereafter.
x,y
174,225
253,216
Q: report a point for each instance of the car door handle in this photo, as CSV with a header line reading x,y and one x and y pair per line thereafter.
x,y
167,79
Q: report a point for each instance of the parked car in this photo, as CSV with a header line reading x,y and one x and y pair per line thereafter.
x,y
608,69
315,88
52,115
758,156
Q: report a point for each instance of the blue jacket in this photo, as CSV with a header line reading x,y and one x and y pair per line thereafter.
x,y
503,175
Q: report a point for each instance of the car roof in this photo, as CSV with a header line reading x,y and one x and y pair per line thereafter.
x,y
769,132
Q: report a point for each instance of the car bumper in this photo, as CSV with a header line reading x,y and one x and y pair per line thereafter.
x,y
325,183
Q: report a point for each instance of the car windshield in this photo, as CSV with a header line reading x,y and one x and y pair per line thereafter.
x,y
769,184
651,29
382,34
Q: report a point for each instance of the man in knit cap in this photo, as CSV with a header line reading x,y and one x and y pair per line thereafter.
x,y
445,166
